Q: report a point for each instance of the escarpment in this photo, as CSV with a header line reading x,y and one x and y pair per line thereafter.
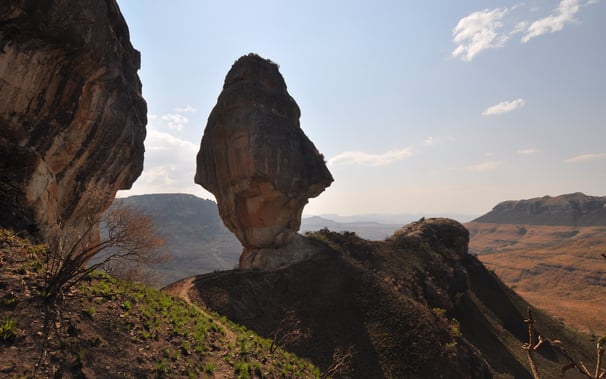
x,y
72,118
574,209
257,161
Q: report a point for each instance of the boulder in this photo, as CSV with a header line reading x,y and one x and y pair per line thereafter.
x,y
255,158
72,118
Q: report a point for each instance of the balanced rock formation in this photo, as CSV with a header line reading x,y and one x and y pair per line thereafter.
x,y
255,158
72,118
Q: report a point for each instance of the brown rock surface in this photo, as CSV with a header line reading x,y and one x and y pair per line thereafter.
x,y
256,159
72,119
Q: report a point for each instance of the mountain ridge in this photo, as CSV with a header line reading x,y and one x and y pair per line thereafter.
x,y
574,209
421,272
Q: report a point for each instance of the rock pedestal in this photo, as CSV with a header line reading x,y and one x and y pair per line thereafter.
x,y
255,158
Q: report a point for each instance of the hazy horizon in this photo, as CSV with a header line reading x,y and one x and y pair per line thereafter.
x,y
418,108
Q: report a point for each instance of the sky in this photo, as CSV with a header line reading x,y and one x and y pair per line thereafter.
x,y
419,107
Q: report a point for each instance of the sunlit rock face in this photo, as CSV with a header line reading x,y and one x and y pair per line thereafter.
x,y
72,118
255,158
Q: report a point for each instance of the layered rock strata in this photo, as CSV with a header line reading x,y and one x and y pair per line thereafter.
x,y
255,158
574,209
72,118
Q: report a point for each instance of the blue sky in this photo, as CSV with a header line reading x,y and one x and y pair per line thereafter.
x,y
419,107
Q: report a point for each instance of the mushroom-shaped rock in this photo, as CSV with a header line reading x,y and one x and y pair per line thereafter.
x,y
255,158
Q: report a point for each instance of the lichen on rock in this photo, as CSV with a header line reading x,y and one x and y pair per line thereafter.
x,y
255,158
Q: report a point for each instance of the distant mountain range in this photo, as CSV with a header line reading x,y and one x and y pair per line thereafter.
x,y
576,209
550,250
200,243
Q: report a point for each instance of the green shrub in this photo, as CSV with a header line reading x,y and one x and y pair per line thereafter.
x,y
242,370
8,327
209,368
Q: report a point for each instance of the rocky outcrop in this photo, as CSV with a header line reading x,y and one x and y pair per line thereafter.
x,y
299,249
255,158
415,305
72,118
576,209
362,294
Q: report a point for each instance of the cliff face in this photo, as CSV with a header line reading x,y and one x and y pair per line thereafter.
x,y
256,159
72,118
576,209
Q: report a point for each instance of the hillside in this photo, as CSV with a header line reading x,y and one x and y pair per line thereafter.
x,y
107,329
559,269
576,209
194,234
199,242
416,305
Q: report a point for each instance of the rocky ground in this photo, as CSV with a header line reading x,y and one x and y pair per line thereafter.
x,y
104,328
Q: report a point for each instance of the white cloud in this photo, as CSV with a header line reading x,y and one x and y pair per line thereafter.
x,y
160,176
503,107
429,141
586,157
563,15
528,151
493,28
157,140
366,159
170,163
486,166
187,109
175,121
478,31
520,27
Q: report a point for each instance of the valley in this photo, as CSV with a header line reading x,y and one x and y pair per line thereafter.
x,y
559,269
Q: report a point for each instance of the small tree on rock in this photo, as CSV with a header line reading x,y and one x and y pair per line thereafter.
x,y
289,331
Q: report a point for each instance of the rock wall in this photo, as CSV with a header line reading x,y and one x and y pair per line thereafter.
x,y
72,118
256,159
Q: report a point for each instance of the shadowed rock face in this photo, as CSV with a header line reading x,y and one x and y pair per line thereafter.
x,y
255,158
72,119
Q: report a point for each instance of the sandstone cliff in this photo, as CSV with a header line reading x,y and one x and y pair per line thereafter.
x,y
575,209
72,118
256,159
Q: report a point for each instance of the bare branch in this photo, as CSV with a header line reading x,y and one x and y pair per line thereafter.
x,y
128,238
530,347
341,362
288,332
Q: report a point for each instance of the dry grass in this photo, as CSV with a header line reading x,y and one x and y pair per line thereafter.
x,y
556,268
